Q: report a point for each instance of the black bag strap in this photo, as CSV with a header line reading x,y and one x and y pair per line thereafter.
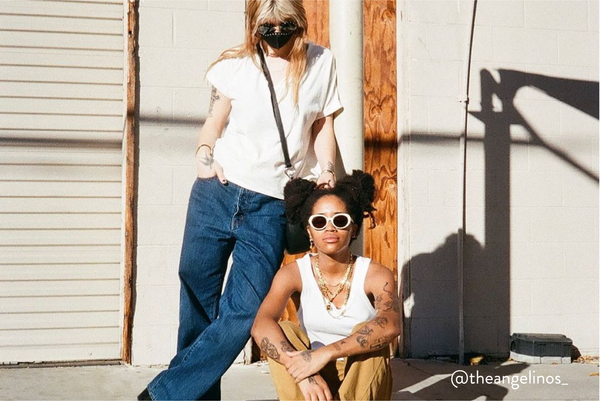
x,y
289,170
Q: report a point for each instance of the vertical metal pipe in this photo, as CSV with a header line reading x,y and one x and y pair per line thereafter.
x,y
464,98
345,37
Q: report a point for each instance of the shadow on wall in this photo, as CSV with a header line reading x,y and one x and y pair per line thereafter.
x,y
430,281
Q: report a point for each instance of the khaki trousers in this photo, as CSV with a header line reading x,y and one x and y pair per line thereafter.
x,y
358,377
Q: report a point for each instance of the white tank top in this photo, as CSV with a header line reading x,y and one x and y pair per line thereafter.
x,y
322,328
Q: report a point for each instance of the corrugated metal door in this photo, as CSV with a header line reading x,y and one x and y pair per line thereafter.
x,y
61,129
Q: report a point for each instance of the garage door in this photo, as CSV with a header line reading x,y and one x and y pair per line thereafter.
x,y
61,128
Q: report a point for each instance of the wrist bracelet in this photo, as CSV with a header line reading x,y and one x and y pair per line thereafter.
x,y
210,151
328,171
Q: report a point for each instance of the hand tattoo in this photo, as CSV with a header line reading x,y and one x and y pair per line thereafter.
x,y
306,356
311,380
269,349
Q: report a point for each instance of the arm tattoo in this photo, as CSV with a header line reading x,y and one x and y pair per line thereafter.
x,y
269,349
206,160
306,355
363,338
285,347
337,347
380,321
381,342
214,96
389,305
362,341
367,331
330,166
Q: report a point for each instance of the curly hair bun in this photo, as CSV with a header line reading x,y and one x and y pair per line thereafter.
x,y
362,185
296,192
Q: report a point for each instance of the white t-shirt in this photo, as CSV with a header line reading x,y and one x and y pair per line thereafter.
x,y
249,149
321,327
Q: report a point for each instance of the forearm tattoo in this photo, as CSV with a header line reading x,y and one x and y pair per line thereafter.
x,y
380,343
330,166
214,96
269,349
363,336
285,347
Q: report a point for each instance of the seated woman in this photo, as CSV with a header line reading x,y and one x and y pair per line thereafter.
x,y
347,305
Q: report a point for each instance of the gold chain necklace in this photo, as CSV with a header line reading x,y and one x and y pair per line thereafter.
x,y
328,295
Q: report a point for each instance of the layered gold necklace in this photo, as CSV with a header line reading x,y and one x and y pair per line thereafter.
x,y
328,295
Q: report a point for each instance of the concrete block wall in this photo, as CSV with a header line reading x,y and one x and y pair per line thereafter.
x,y
531,249
178,40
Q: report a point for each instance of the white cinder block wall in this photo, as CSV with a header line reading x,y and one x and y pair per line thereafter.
x,y
531,259
178,40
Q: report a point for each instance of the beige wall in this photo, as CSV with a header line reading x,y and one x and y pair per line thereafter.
x,y
531,252
532,196
178,40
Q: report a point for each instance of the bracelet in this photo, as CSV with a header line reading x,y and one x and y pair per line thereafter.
x,y
327,171
202,145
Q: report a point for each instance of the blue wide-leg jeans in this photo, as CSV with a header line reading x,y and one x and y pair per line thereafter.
x,y
213,328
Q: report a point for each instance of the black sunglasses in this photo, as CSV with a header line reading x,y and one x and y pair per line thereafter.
x,y
285,27
339,221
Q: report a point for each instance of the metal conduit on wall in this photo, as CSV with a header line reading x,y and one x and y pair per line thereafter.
x,y
345,36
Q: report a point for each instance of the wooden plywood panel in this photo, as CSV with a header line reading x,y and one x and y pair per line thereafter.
x,y
380,126
317,13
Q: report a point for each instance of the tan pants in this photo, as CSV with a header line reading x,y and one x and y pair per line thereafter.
x,y
358,377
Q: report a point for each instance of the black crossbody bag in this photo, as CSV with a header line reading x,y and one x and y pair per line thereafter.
x,y
296,238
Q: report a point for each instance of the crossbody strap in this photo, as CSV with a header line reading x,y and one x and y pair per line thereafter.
x,y
289,170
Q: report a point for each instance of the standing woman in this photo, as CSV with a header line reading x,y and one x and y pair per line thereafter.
x,y
236,205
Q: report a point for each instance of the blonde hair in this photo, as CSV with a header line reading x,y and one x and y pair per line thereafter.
x,y
263,11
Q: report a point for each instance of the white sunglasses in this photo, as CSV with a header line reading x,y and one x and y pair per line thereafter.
x,y
339,221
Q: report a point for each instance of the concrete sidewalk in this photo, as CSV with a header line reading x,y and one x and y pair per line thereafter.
x,y
413,380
